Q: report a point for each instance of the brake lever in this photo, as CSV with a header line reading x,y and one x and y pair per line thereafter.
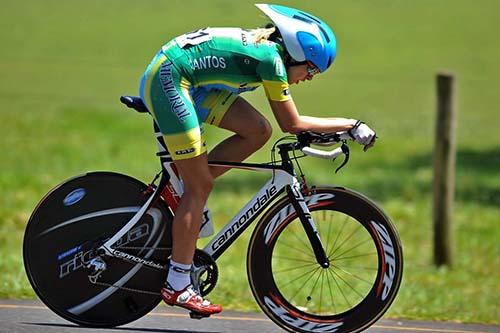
x,y
345,150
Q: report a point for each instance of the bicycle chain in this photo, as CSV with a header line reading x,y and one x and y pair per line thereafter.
x,y
143,248
140,291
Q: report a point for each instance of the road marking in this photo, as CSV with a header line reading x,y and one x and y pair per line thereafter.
x,y
13,306
423,329
397,328
213,317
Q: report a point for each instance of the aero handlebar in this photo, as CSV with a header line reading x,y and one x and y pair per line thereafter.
x,y
329,154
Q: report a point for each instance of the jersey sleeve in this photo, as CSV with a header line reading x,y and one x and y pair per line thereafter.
x,y
274,78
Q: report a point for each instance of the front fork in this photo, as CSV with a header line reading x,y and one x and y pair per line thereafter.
x,y
297,199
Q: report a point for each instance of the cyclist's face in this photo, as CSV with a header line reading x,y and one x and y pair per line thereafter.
x,y
299,73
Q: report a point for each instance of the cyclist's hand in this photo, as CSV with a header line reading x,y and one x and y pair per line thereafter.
x,y
371,144
363,134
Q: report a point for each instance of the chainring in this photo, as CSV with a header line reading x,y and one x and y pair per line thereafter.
x,y
205,273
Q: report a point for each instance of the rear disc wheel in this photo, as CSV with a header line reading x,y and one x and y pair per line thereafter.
x,y
65,227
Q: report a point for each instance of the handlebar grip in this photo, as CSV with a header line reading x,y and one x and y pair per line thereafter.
x,y
345,136
330,155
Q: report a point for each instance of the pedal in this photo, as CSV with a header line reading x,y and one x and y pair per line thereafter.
x,y
197,315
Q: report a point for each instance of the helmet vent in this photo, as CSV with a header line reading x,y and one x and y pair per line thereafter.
x,y
304,19
311,17
324,33
329,61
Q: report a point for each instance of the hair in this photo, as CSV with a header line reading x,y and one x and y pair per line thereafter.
x,y
271,33
265,33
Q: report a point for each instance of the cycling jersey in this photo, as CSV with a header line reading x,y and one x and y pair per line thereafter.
x,y
197,76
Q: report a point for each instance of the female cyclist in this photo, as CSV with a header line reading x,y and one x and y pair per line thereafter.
x,y
197,77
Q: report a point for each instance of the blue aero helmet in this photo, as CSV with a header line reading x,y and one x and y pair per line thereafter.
x,y
306,37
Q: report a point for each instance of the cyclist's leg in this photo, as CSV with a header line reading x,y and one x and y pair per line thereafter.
x,y
166,93
231,112
198,183
252,130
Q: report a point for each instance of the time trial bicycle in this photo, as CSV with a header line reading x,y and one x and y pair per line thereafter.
x,y
320,259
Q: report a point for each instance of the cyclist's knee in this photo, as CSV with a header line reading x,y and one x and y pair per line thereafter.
x,y
262,132
266,130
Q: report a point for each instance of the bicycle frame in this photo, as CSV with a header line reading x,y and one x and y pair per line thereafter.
x,y
262,199
282,179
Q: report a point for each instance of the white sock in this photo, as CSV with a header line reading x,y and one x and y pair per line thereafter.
x,y
179,275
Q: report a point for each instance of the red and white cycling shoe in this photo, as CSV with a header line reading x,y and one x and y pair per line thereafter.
x,y
189,299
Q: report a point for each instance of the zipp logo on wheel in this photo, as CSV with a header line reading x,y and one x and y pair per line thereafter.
x,y
389,258
300,323
288,210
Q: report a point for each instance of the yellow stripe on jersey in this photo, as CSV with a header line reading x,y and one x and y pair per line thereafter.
x,y
147,86
277,90
185,86
218,104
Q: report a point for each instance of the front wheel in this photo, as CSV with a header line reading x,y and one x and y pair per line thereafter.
x,y
361,282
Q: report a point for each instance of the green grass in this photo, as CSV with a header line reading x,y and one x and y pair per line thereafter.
x,y
64,64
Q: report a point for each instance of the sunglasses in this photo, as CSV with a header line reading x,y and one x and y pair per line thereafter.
x,y
312,69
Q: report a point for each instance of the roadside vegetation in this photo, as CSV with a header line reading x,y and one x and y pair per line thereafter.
x,y
65,64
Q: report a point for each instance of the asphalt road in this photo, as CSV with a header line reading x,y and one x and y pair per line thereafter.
x,y
33,316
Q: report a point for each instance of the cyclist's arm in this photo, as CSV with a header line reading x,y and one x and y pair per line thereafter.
x,y
291,121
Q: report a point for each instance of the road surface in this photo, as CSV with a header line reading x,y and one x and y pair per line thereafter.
x,y
34,317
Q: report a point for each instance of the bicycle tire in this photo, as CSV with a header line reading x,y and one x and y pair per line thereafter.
x,y
66,222
279,248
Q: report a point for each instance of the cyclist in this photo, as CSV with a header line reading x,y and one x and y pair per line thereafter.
x,y
197,77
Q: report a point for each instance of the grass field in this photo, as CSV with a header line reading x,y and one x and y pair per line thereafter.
x,y
64,64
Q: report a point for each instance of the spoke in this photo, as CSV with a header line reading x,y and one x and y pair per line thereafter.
x,y
352,248
302,287
338,235
294,233
315,218
348,237
328,232
323,221
352,288
357,256
321,289
338,287
293,259
359,267
290,247
300,276
293,268
315,283
331,294
353,275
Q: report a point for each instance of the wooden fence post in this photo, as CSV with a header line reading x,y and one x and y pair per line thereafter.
x,y
444,169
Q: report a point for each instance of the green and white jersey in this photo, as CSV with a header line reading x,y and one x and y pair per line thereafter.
x,y
229,59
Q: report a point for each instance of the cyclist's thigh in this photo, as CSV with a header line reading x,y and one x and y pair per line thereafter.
x,y
212,104
244,119
229,111
166,94
195,174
